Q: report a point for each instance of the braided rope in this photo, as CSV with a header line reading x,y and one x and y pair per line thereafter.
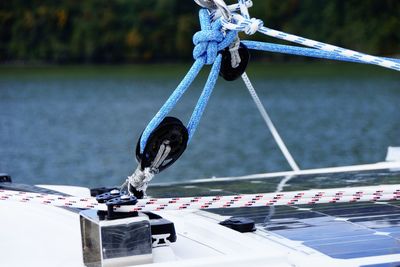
x,y
216,13
204,97
331,48
315,196
243,22
219,32
171,101
208,42
301,51
269,123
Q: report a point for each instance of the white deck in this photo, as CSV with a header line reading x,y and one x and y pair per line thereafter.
x,y
48,236
38,235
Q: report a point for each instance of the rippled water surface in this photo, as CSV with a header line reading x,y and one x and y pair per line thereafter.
x,y
82,129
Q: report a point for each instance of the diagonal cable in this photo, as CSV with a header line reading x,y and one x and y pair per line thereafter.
x,y
269,123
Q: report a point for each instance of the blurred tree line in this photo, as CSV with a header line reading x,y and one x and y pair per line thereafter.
x,y
114,31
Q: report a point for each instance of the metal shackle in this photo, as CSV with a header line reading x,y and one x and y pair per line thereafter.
x,y
214,5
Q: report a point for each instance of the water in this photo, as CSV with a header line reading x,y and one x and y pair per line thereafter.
x,y
80,130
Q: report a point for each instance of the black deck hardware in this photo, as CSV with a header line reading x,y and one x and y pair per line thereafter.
x,y
240,224
94,192
5,178
171,132
227,71
112,199
138,194
104,197
161,226
124,200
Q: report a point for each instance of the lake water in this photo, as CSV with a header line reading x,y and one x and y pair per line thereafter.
x,y
81,128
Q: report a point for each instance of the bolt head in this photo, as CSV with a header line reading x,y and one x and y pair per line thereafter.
x,y
114,192
125,197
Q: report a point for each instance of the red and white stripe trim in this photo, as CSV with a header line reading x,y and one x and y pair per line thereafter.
x,y
315,196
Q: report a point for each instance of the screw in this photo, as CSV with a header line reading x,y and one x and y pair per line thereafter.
x,y
125,197
114,192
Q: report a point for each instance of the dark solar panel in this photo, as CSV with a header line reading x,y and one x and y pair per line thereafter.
x,y
389,264
358,249
340,230
299,182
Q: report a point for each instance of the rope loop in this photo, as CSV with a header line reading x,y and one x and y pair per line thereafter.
x,y
210,39
240,23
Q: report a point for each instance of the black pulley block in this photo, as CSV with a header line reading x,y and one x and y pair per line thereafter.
x,y
171,132
230,73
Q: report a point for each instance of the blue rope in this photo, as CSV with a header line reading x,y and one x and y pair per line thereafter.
x,y
243,22
205,95
302,51
171,101
208,42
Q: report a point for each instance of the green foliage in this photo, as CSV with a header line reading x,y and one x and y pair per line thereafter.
x,y
97,31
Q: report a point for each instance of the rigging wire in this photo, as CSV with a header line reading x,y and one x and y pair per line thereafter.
x,y
269,123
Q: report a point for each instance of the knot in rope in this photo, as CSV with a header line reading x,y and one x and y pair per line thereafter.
x,y
240,23
252,25
210,39
206,44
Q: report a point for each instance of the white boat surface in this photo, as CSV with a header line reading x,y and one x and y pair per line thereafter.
x,y
39,235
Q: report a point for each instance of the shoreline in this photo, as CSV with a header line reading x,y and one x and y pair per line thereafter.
x,y
315,69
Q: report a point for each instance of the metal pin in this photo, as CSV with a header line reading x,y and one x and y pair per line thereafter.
x,y
226,13
206,4
216,5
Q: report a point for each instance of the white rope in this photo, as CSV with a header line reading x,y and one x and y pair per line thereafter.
x,y
216,13
162,154
243,22
249,26
265,202
331,48
234,51
244,9
269,123
141,178
315,196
